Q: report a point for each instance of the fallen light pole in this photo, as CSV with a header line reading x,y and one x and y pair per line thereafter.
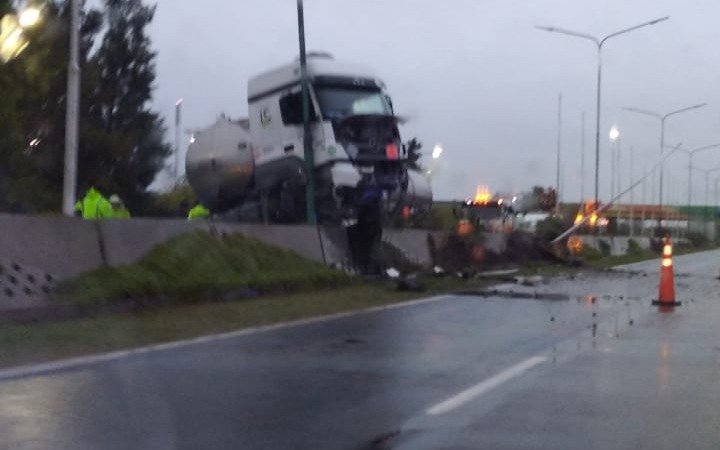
x,y
585,219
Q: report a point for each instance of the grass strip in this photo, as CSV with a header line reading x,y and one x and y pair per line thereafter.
x,y
47,341
645,255
199,266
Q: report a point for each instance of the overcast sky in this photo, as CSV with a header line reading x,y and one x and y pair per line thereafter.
x,y
474,76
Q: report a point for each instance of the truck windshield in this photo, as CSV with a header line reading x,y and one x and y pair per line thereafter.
x,y
339,102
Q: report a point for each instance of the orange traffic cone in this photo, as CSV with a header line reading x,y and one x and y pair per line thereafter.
x,y
666,296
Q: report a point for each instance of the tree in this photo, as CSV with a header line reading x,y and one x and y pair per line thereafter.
x,y
121,140
546,199
11,126
40,189
123,145
32,113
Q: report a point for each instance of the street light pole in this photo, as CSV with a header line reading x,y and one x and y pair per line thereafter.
x,y
632,196
707,173
662,119
707,188
599,44
307,132
613,151
614,139
557,166
582,161
691,155
178,127
72,110
715,203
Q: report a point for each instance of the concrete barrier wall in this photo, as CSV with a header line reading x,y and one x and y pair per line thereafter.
x,y
61,246
302,239
414,243
618,244
126,241
65,247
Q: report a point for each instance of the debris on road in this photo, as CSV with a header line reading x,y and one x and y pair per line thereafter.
x,y
411,282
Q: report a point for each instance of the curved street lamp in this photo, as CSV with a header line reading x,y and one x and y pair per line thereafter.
x,y
662,119
691,154
599,42
707,173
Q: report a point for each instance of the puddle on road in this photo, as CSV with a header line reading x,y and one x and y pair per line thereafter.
x,y
514,294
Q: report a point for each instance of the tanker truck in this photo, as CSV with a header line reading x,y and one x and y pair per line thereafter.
x,y
253,169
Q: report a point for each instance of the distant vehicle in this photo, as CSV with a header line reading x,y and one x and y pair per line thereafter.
x,y
254,169
484,209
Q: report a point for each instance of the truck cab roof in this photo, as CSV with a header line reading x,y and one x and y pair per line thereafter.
x,y
318,65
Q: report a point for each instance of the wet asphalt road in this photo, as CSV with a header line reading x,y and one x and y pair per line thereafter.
x,y
593,367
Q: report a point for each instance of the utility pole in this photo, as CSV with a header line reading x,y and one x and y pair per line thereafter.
x,y
632,196
643,201
557,168
613,152
618,165
72,105
618,175
582,161
307,131
178,119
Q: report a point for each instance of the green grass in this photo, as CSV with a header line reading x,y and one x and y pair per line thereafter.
x,y
191,267
200,266
607,262
547,270
177,279
36,342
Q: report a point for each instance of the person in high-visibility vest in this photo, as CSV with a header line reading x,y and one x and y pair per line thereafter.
x,y
198,212
94,206
119,209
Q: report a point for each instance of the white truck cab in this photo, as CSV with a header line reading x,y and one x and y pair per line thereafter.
x,y
360,163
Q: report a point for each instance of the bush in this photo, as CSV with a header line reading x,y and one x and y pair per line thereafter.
x,y
605,248
550,228
590,253
460,253
634,248
697,239
174,203
200,266
440,217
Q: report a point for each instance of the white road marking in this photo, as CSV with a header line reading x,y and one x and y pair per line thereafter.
x,y
484,386
38,369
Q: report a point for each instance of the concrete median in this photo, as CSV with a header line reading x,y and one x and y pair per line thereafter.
x,y
64,247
